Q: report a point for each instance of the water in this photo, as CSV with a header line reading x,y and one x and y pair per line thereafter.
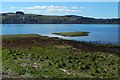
x,y
104,33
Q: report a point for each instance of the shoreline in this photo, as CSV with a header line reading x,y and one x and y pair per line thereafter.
x,y
62,37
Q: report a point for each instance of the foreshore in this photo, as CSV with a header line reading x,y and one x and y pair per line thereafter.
x,y
36,56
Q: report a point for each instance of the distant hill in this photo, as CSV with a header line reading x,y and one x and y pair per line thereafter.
x,y
21,18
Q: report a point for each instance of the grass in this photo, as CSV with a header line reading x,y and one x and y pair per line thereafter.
x,y
40,56
72,34
11,36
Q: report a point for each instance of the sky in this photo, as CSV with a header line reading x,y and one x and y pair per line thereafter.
x,y
59,0
87,9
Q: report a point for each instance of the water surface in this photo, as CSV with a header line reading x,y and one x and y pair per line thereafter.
x,y
98,32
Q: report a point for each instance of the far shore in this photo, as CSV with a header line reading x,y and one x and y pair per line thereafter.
x,y
21,18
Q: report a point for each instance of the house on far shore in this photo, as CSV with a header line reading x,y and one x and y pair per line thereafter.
x,y
19,13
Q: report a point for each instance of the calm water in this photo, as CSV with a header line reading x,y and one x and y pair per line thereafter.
x,y
98,32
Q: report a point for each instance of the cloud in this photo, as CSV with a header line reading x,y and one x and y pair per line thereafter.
x,y
49,10
1,12
47,7
91,8
21,10
13,7
64,11
74,7
82,7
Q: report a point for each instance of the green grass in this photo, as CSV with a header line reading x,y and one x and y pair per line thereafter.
x,y
72,34
50,60
56,60
19,36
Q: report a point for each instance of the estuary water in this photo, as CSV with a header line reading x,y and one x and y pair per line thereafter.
x,y
103,33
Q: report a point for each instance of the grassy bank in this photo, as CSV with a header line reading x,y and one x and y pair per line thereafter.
x,y
72,34
35,56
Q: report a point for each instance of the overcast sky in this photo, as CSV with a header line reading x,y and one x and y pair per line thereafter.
x,y
90,9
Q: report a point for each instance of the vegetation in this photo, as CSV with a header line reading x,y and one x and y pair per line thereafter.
x,y
34,56
72,34
21,18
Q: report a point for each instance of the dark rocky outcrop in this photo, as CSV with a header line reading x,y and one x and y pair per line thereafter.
x,y
19,13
